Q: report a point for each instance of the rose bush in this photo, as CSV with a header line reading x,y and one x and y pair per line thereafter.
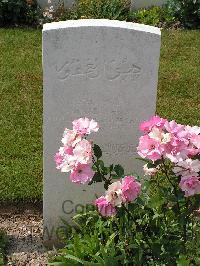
x,y
150,220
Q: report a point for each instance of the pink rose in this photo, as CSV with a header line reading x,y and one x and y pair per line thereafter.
x,y
68,150
173,127
193,130
176,150
130,188
82,174
154,121
176,157
105,207
160,136
70,138
190,185
150,148
64,159
85,126
114,194
58,158
69,163
83,152
187,167
195,140
149,171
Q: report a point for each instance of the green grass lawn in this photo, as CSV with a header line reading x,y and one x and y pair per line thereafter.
x,y
21,102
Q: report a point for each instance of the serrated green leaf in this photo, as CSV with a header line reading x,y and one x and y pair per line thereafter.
x,y
97,177
119,170
97,151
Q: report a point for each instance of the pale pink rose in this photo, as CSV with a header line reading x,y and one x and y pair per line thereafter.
x,y
193,130
150,148
195,140
62,151
190,185
69,163
187,168
85,126
70,138
149,171
190,136
154,121
173,127
176,157
130,188
94,126
176,150
82,174
68,150
83,152
105,207
114,194
58,158
192,151
159,135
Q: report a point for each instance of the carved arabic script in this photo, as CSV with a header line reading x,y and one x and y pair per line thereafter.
x,y
92,69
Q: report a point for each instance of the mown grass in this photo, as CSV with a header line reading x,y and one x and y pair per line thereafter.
x,y
21,102
179,78
20,114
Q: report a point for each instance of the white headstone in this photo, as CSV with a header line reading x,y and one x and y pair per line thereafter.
x,y
100,69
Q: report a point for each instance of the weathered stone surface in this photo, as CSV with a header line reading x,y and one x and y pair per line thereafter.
x,y
101,69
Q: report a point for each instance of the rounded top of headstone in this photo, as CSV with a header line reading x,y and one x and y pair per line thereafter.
x,y
101,23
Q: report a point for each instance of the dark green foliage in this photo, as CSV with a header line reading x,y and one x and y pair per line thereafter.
x,y
155,16
186,11
151,234
97,9
17,12
97,151
119,170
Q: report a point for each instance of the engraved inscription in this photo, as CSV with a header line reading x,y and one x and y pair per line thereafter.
x,y
113,148
93,69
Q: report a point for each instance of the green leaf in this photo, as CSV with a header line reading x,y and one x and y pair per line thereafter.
x,y
119,170
101,164
111,167
58,264
143,160
97,177
156,201
97,151
182,261
115,177
73,258
150,165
